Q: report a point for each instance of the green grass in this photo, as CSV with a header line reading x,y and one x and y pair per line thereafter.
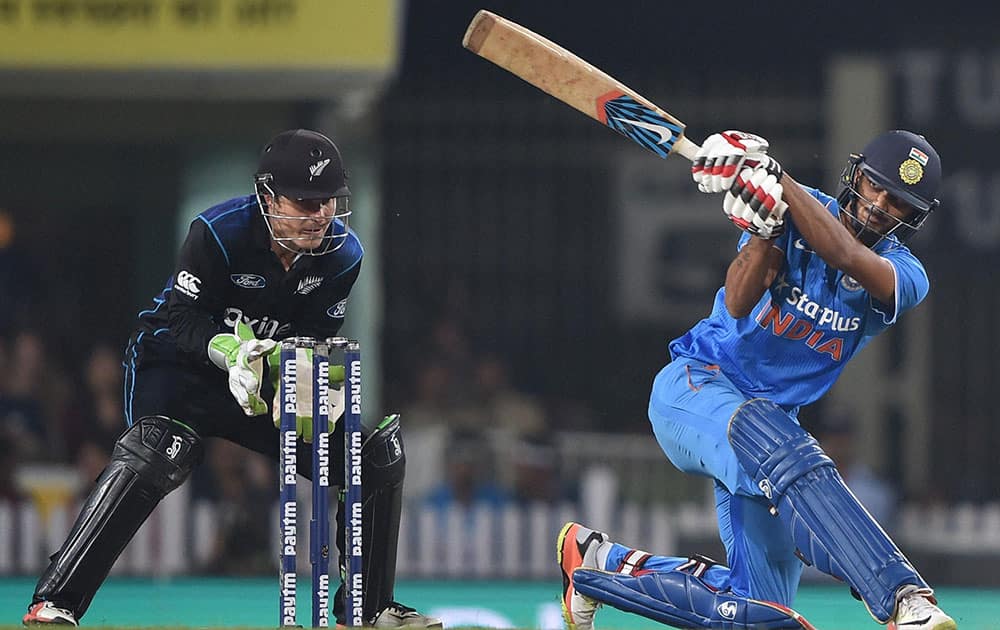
x,y
252,603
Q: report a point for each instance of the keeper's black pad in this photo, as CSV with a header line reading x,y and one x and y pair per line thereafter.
x,y
153,457
383,469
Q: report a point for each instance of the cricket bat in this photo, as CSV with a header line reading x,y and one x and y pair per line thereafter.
x,y
560,73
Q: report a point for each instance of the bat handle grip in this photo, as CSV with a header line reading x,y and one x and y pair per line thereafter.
x,y
686,148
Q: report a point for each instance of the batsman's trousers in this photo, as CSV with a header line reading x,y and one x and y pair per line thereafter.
x,y
689,409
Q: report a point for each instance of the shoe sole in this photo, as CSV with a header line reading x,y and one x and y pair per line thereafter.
x,y
569,559
33,623
32,620
947,625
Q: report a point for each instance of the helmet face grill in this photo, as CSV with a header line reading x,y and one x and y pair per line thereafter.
x,y
333,238
851,201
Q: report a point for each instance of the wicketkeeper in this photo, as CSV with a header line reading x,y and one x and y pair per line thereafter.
x,y
255,269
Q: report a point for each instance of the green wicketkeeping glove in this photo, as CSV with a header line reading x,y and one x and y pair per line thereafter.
x,y
274,368
304,390
240,354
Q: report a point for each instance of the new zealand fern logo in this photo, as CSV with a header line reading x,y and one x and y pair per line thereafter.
x,y
308,284
317,169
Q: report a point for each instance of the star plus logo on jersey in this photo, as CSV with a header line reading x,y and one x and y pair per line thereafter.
x,y
800,300
807,327
188,284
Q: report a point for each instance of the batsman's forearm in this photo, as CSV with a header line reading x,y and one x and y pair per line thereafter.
x,y
748,277
823,231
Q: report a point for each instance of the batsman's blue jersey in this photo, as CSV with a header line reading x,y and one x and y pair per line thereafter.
x,y
807,325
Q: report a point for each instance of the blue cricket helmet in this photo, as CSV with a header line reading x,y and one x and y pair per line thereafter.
x,y
906,165
903,163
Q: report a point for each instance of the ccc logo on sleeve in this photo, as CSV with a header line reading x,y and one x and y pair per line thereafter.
x,y
188,284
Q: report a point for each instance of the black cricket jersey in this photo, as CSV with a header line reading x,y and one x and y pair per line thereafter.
x,y
226,271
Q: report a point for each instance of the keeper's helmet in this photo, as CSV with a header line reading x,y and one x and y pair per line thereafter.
x,y
304,165
905,165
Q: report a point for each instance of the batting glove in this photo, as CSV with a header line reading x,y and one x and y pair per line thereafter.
x,y
240,354
754,200
721,157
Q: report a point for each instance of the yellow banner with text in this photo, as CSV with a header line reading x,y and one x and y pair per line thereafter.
x,y
199,34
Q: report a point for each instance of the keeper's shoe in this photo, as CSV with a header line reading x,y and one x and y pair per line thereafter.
x,y
917,610
42,613
577,547
396,615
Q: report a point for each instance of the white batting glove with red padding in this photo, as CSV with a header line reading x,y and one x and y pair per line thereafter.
x,y
754,201
721,158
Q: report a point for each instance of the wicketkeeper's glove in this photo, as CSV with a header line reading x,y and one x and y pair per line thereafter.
x,y
239,353
304,392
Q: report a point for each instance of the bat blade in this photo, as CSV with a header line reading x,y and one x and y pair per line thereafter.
x,y
558,72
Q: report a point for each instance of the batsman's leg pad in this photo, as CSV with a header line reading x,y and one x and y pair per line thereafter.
x,y
831,529
677,598
153,457
383,470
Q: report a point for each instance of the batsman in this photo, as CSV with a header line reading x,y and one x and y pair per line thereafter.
x,y
814,279
253,270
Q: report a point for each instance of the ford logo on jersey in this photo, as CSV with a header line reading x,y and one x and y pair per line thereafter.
x,y
248,280
338,310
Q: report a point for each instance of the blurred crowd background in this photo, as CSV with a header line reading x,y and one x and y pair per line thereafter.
x,y
525,268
